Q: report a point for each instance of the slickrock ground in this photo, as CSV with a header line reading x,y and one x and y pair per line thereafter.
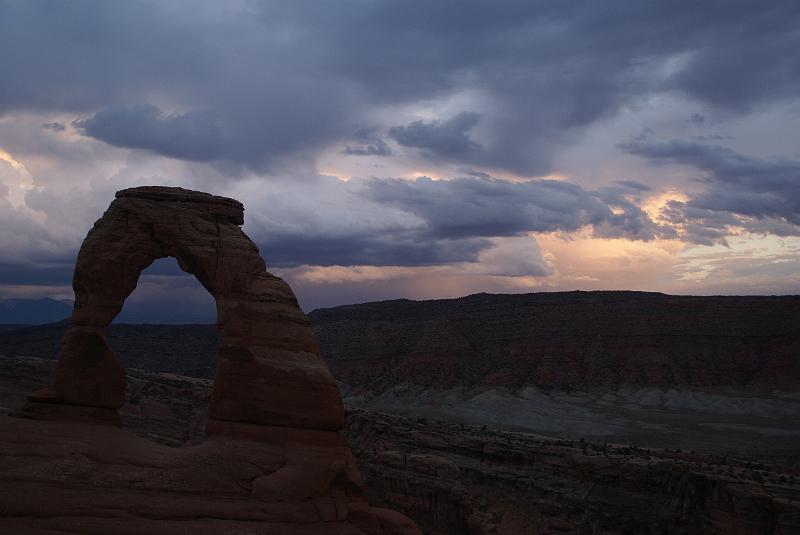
x,y
468,480
88,478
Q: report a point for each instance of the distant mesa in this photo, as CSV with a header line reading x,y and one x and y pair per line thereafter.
x,y
274,460
169,310
20,311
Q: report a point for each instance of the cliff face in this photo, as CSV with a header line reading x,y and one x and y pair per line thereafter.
x,y
567,341
455,479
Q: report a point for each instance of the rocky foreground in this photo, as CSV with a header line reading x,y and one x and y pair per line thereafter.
x,y
460,479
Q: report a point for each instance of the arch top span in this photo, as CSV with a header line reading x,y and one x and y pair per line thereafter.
x,y
270,369
219,206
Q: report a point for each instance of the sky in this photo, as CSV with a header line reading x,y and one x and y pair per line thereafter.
x,y
395,149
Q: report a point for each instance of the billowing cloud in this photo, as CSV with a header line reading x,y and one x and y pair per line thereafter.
x,y
282,80
370,144
190,136
55,126
632,184
445,138
425,222
480,206
415,248
741,191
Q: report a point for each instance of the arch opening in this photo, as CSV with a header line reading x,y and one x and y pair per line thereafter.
x,y
165,294
167,324
270,371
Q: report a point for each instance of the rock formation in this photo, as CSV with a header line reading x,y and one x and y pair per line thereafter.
x,y
270,371
274,461
468,480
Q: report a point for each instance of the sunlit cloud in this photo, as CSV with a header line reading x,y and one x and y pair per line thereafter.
x,y
18,181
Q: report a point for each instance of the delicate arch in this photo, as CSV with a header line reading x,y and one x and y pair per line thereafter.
x,y
270,369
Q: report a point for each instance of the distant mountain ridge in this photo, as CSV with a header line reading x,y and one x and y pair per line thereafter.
x,y
189,350
20,311
23,311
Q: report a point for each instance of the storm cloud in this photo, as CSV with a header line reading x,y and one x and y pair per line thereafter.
x,y
370,144
425,222
325,120
252,83
191,136
491,207
439,138
756,194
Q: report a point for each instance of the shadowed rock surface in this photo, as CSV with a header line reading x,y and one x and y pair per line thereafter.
x,y
559,340
269,369
191,350
467,480
639,368
273,461
565,340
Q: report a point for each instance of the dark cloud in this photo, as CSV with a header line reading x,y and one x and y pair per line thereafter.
x,y
712,137
425,222
400,248
190,136
288,79
627,219
634,185
704,227
697,118
57,127
742,191
753,65
371,144
448,138
491,207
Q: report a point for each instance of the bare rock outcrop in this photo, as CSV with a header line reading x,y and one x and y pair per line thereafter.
x,y
273,462
270,370
456,479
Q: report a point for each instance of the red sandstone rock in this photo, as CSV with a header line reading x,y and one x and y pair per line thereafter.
x,y
77,477
270,370
274,462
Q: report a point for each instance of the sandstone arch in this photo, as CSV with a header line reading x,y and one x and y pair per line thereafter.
x,y
270,369
274,462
